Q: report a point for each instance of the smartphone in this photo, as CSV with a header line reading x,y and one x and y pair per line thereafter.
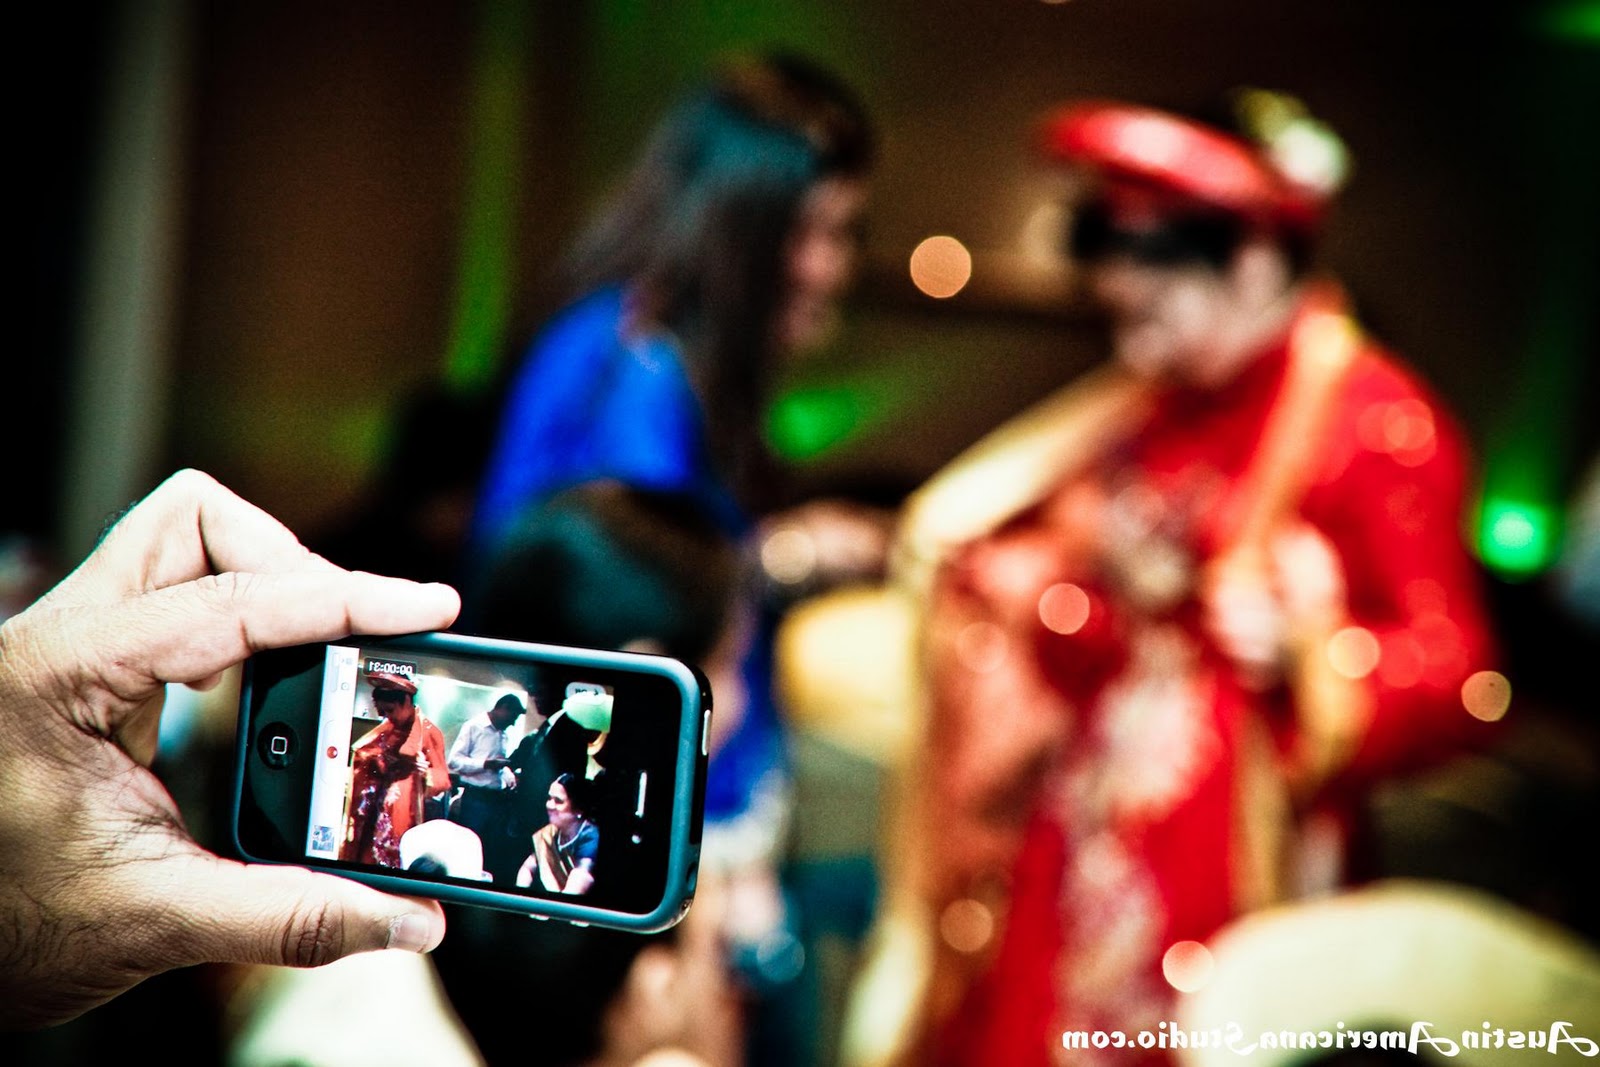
x,y
564,783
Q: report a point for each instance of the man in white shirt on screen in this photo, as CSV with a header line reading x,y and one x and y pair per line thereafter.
x,y
478,759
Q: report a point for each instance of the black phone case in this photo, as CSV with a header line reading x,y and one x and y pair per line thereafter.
x,y
251,786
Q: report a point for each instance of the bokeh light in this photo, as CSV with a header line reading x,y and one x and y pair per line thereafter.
x,y
1187,966
941,266
1354,652
1403,429
1487,695
966,925
981,647
789,555
1064,608
1402,661
1518,538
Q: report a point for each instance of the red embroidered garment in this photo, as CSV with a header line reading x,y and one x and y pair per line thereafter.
x,y
386,788
1090,741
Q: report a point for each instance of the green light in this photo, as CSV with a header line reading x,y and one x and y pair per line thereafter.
x,y
1513,531
807,422
1517,538
1573,22
823,413
484,270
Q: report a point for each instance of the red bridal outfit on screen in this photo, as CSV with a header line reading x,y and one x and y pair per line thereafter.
x,y
1105,783
388,787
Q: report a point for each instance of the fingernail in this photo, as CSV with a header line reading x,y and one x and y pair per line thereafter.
x,y
412,933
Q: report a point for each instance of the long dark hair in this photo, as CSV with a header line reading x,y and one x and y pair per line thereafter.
x,y
698,227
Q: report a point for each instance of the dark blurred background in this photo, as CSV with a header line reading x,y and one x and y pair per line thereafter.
x,y
254,229
285,242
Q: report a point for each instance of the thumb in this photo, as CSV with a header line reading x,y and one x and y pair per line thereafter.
x,y
243,913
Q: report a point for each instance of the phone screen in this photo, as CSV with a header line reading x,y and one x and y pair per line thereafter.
x,y
557,777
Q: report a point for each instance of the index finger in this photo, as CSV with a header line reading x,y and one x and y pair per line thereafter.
x,y
188,632
188,527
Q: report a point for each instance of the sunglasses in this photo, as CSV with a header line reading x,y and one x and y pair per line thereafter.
x,y
1180,240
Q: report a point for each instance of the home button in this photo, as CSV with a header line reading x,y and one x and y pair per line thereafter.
x,y
277,744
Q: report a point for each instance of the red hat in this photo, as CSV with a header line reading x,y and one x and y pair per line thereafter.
x,y
1156,159
390,680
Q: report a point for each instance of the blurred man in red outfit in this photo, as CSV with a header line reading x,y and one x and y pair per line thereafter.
x,y
1179,617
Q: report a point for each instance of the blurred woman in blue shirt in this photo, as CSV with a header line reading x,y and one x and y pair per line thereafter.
x,y
724,250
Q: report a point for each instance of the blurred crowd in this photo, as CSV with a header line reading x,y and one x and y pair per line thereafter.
x,y
1184,701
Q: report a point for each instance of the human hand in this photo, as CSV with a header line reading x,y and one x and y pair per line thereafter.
x,y
1245,619
101,885
1310,580
1260,607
